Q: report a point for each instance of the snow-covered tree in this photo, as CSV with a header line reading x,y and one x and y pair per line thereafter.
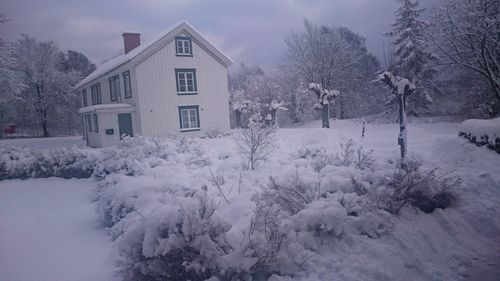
x,y
467,34
242,99
402,89
333,57
325,98
49,95
11,83
411,55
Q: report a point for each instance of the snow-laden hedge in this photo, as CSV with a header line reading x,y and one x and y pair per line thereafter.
x,y
132,156
22,163
482,132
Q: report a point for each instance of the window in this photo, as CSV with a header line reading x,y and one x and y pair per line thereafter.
x,y
189,118
96,125
84,97
114,87
96,93
89,123
126,83
186,81
183,46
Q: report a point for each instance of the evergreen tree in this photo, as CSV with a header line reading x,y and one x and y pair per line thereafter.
x,y
411,53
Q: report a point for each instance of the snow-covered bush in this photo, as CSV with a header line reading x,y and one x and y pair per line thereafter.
x,y
181,239
22,162
135,156
426,189
482,132
350,154
131,156
256,143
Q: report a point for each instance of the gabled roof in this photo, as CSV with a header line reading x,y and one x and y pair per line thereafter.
x,y
145,50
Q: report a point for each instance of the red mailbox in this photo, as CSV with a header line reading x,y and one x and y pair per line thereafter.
x,y
10,129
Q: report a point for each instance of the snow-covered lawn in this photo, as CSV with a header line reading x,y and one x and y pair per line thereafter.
x,y
49,231
155,196
45,142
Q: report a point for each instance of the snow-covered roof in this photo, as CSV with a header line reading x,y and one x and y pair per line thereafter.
x,y
168,34
106,107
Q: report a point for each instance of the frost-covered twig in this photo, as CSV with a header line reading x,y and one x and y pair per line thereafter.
x,y
216,183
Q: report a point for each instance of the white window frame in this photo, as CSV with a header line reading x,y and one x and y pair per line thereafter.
x,y
183,46
183,83
189,118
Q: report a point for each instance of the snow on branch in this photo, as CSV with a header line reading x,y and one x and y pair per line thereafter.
x,y
324,95
397,84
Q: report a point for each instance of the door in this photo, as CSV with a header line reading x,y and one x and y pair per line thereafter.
x,y
125,124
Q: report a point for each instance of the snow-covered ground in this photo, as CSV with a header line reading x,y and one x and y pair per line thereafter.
x,y
45,142
49,231
458,243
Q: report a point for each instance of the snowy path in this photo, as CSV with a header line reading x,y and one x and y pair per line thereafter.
x,y
49,231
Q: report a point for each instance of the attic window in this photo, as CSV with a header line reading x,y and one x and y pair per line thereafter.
x,y
183,46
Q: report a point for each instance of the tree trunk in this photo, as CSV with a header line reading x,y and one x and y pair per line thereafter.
x,y
237,117
44,124
325,114
496,88
402,140
1,121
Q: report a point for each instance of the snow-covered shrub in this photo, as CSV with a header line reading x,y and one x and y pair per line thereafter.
x,y
350,154
482,132
135,156
181,239
131,156
255,143
23,162
424,189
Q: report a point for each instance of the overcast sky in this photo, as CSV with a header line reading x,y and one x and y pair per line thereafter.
x,y
248,31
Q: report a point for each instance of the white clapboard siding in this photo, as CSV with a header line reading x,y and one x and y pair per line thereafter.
x,y
158,100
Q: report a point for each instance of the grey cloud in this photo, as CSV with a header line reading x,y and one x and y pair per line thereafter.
x,y
249,31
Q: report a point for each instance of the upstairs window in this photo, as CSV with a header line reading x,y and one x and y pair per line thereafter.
x,y
127,85
183,46
84,97
186,81
189,118
96,93
114,87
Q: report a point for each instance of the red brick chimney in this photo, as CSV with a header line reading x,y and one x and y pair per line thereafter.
x,y
131,40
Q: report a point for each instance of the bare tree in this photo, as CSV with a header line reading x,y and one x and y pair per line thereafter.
x,y
332,57
467,34
256,143
11,83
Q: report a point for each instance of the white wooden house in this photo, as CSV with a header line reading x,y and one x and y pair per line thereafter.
x,y
176,84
